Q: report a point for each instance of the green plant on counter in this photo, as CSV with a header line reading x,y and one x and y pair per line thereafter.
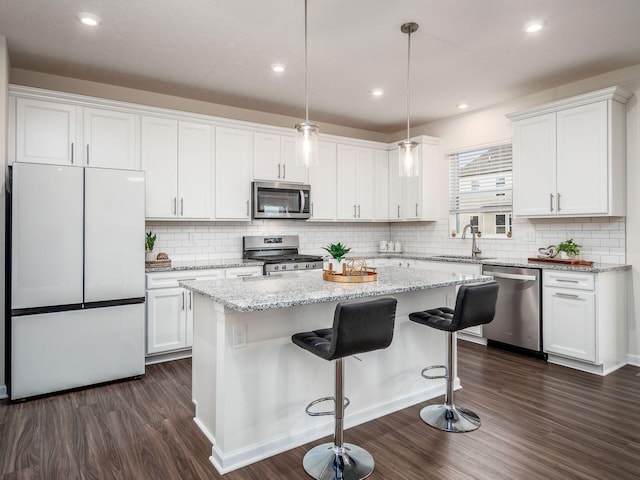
x,y
337,250
149,241
569,247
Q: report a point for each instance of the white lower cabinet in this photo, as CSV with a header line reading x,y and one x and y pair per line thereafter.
x,y
584,319
170,307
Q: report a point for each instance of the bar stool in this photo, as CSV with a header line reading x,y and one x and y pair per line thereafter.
x,y
475,305
357,328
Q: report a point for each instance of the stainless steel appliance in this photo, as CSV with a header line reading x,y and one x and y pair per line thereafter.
x,y
518,322
279,254
281,200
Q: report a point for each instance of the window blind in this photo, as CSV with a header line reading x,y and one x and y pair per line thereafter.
x,y
481,180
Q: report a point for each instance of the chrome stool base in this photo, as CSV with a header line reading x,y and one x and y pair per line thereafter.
x,y
450,418
329,462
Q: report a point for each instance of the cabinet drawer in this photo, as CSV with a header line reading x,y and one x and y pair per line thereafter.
x,y
171,279
244,272
578,281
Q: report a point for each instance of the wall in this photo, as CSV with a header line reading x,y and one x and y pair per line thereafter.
x,y
4,82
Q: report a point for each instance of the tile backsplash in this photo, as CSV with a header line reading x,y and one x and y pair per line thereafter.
x,y
603,239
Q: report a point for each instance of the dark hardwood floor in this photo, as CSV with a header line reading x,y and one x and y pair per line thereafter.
x,y
539,421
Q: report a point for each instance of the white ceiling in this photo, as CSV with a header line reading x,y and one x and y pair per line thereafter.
x,y
221,50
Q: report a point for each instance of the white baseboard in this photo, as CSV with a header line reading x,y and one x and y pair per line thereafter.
x,y
633,360
3,392
225,462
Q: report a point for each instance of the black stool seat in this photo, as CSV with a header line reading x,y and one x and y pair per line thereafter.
x,y
475,305
357,328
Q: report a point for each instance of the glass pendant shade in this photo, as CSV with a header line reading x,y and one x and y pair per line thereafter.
x,y
408,159
307,144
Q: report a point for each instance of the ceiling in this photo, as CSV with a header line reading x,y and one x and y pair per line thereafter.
x,y
472,51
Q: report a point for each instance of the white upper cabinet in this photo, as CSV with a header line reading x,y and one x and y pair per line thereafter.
x,y
274,159
569,156
178,159
46,132
381,185
355,183
233,173
417,198
110,139
323,184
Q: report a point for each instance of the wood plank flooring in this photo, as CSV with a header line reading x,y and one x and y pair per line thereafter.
x,y
539,421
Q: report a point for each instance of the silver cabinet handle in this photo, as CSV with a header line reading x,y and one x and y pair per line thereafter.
x,y
278,170
568,295
551,202
302,201
358,211
354,211
284,171
312,209
182,206
248,208
73,149
558,202
175,205
183,293
510,276
566,280
416,209
190,300
398,211
87,154
244,275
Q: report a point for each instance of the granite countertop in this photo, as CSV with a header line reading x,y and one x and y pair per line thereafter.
x,y
506,262
307,287
205,264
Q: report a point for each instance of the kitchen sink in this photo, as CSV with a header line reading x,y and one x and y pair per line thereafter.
x,y
461,257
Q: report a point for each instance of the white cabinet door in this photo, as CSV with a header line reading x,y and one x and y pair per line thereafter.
x,y
159,142
381,186
534,166
395,187
582,178
166,319
233,173
110,139
323,184
291,172
569,323
266,157
345,183
47,132
364,183
195,170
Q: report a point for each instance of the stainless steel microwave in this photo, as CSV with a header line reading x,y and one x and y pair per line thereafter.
x,y
280,200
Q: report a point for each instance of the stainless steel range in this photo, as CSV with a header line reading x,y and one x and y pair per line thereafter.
x,y
279,254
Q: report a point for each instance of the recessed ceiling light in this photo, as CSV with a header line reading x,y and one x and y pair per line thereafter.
x,y
533,26
89,19
278,67
377,92
462,106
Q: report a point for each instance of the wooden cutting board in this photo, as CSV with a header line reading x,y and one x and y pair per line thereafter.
x,y
566,261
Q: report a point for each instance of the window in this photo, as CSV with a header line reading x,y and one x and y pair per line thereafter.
x,y
480,184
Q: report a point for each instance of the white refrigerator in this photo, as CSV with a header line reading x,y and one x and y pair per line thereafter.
x,y
77,277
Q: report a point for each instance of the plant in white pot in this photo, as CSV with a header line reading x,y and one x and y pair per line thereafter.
x,y
568,249
149,242
337,252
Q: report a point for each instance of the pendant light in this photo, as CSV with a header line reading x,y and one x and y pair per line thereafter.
x,y
409,160
306,133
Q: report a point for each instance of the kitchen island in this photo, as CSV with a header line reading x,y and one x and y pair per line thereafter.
x,y
251,383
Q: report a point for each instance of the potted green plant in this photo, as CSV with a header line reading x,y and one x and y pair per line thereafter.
x,y
149,242
509,234
568,249
337,252
478,234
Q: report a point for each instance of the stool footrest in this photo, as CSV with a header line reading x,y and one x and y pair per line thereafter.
x,y
324,399
434,377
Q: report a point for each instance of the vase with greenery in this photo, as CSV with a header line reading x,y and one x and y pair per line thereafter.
x,y
337,252
149,243
568,249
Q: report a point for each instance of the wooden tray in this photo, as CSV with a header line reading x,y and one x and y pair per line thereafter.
x,y
338,277
566,261
158,263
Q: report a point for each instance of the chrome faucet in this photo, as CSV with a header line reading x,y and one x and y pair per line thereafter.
x,y
474,248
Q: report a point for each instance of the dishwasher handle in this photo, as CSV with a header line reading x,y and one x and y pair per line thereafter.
x,y
510,276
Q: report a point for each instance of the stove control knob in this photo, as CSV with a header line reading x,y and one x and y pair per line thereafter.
x,y
295,266
284,267
275,267
307,266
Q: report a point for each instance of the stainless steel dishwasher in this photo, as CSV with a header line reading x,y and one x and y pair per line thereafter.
x,y
517,324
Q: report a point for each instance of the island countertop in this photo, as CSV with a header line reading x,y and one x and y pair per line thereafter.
x,y
251,294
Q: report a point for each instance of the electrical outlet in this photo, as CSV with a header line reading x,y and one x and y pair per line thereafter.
x,y
239,335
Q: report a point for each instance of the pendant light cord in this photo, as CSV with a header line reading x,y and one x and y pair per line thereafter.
x,y
408,86
306,90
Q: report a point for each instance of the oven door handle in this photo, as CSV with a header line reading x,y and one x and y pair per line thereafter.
x,y
510,276
302,201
